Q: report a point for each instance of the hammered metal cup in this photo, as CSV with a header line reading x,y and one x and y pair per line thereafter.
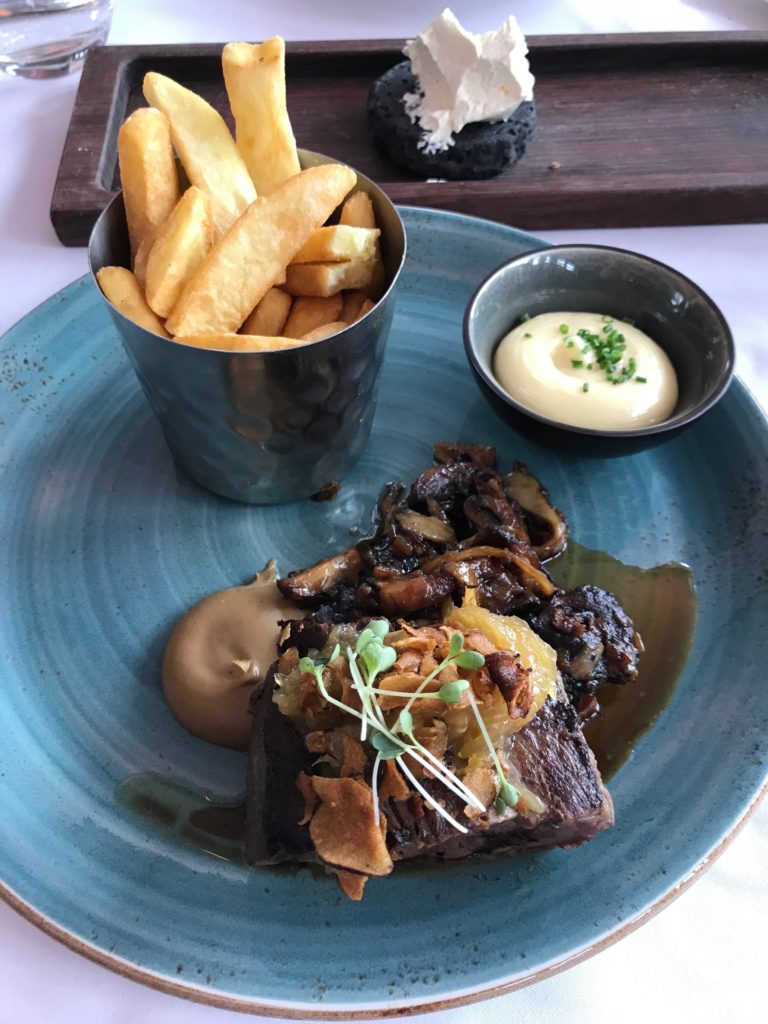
x,y
262,427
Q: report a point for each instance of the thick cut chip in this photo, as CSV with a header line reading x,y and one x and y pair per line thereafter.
x,y
356,304
358,211
179,249
206,149
328,278
309,312
325,331
270,315
147,173
238,342
123,291
142,258
255,81
336,243
366,307
244,264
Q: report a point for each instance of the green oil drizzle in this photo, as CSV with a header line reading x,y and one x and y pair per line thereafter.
x,y
662,604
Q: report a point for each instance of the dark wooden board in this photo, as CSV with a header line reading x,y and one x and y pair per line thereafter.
x,y
645,129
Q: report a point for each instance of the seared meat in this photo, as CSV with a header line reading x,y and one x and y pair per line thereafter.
x,y
549,755
460,533
593,636
274,804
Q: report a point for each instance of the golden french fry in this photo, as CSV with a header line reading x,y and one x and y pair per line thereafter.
x,y
244,264
206,149
353,301
270,315
238,342
309,312
337,243
325,331
142,257
147,173
328,278
180,245
255,81
366,307
123,291
375,286
358,211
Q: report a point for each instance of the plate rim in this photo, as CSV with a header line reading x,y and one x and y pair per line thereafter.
x,y
309,1011
387,1008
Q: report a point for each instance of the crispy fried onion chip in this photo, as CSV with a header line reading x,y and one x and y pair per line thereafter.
x,y
344,829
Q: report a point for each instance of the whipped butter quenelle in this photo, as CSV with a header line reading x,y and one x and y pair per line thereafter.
x,y
461,106
466,78
587,370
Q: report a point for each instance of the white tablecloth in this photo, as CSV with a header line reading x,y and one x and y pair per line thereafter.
x,y
703,958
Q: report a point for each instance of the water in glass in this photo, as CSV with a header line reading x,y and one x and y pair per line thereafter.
x,y
42,38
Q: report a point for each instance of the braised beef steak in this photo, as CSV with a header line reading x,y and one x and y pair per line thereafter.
x,y
550,754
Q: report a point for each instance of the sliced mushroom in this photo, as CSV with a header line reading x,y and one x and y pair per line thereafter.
x,y
455,451
546,524
309,586
426,527
533,574
412,592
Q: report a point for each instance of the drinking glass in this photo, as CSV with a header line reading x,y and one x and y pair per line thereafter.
x,y
43,38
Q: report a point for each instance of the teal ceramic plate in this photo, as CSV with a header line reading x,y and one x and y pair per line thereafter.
x,y
105,545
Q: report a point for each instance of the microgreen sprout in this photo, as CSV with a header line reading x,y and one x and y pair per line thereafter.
x,y
507,793
370,657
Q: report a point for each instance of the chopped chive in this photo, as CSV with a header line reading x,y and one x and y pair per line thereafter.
x,y
527,335
590,365
628,320
569,344
606,319
576,363
641,380
564,329
524,318
585,387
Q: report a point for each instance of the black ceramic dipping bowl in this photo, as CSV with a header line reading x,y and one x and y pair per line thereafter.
x,y
663,303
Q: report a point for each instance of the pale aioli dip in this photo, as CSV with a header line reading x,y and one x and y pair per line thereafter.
x,y
547,366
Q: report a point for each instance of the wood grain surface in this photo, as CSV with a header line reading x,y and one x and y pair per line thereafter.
x,y
640,129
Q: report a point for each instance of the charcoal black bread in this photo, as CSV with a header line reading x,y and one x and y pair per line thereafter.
x,y
480,150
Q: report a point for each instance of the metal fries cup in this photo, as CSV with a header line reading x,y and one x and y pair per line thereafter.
x,y
262,427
